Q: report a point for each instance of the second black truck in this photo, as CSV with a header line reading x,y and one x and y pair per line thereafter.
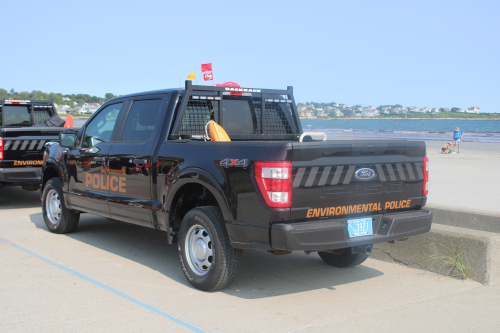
x,y
25,127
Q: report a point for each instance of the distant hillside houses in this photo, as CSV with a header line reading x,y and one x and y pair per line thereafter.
x,y
86,108
81,108
63,109
332,110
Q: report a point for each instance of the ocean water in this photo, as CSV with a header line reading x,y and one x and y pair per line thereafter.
x,y
427,129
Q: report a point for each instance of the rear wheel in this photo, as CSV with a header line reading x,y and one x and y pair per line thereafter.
x,y
343,257
58,218
207,259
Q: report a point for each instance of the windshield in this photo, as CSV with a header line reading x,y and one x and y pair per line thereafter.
x,y
16,115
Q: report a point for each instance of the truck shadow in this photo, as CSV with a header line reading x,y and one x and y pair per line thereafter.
x,y
13,197
261,274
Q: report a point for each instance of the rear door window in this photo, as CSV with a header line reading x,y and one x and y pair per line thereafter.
x,y
142,120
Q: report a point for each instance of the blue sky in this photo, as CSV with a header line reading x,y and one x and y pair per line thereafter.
x,y
415,53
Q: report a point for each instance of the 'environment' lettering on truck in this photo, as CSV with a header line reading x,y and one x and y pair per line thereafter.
x,y
352,209
23,163
105,182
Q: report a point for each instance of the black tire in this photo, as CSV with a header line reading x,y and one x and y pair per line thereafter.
x,y
343,258
58,218
207,259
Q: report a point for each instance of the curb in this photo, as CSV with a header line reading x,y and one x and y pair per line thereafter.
x,y
479,250
467,219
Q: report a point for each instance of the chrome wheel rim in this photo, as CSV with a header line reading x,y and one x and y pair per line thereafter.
x,y
53,207
198,249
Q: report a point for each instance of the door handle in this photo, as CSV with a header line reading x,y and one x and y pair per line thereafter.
x,y
140,161
100,159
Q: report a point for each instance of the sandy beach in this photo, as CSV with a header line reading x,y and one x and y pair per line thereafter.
x,y
468,182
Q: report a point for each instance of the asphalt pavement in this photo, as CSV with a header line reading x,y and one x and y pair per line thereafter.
x,y
114,277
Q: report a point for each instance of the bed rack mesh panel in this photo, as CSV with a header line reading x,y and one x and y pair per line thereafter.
x,y
197,114
274,120
279,119
40,113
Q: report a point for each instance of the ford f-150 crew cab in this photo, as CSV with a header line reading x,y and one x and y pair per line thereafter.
x,y
147,159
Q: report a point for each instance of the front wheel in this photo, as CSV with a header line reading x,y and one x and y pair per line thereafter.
x,y
58,218
207,259
343,258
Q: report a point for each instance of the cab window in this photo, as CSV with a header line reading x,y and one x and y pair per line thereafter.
x,y
101,127
18,115
142,120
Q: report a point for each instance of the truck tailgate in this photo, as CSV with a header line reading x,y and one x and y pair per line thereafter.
x,y
25,146
328,183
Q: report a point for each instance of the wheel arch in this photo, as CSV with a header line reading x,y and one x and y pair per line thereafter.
x,y
194,188
49,171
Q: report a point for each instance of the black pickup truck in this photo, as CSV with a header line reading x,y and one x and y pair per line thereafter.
x,y
146,159
22,144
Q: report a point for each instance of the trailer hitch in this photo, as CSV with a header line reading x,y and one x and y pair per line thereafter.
x,y
365,249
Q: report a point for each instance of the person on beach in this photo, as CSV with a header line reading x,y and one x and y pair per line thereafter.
x,y
446,148
457,138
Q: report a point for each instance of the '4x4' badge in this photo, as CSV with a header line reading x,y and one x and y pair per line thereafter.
x,y
229,162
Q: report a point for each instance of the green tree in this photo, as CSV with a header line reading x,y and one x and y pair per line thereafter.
x,y
4,94
109,96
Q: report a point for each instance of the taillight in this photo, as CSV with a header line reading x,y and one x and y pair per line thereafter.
x,y
1,149
425,189
275,183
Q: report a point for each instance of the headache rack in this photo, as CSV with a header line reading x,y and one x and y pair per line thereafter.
x,y
38,110
273,112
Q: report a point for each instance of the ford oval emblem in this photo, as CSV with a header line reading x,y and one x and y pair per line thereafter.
x,y
365,174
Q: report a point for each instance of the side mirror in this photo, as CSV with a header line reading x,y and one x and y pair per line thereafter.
x,y
67,139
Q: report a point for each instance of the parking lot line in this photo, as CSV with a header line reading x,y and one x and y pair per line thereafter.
x,y
106,287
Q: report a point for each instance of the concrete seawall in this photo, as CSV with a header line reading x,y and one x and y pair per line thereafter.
x,y
471,240
467,220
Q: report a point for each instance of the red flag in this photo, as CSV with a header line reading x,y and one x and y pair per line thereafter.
x,y
206,67
208,76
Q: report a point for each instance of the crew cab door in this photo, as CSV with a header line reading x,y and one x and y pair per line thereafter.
x,y
130,198
87,179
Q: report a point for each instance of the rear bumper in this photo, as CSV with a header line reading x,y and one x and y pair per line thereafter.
x,y
21,175
333,234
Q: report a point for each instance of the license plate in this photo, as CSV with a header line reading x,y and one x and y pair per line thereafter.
x,y
360,227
